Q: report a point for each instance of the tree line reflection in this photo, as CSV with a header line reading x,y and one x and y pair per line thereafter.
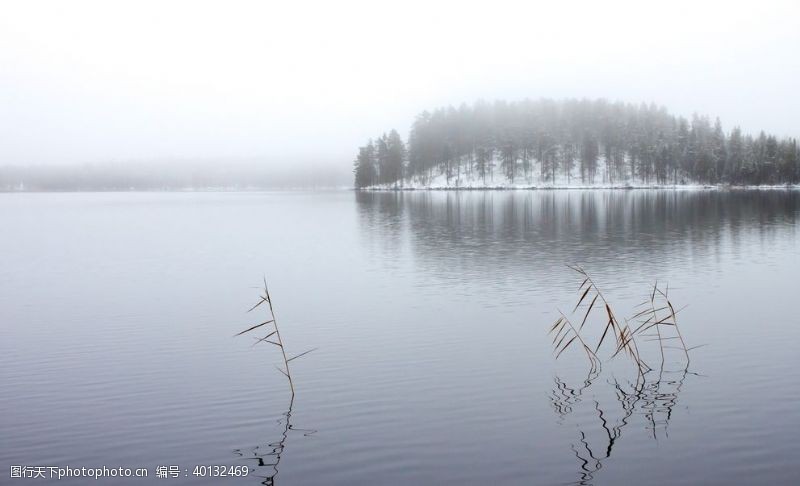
x,y
543,229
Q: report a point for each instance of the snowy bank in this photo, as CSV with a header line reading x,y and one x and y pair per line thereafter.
x,y
441,183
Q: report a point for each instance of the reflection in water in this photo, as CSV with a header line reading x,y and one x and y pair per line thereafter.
x,y
652,399
269,456
483,231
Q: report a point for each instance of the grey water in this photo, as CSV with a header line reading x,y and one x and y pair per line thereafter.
x,y
430,311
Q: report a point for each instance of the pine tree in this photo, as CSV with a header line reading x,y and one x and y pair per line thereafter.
x,y
364,167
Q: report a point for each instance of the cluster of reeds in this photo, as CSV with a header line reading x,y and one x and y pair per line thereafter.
x,y
655,320
273,337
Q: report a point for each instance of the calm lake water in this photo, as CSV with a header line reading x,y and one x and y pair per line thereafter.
x,y
430,311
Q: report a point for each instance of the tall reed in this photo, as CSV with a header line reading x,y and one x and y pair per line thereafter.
x,y
277,340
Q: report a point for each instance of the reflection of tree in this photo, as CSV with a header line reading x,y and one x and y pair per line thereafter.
x,y
652,399
270,456
524,231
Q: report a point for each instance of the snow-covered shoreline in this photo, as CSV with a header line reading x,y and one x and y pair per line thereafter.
x,y
441,183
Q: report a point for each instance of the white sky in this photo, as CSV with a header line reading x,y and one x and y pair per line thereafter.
x,y
113,80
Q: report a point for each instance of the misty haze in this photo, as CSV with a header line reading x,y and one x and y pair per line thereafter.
x,y
376,243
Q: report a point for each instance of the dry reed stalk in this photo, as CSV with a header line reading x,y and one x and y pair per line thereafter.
x,y
278,341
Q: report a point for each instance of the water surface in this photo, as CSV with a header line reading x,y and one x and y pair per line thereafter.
x,y
430,311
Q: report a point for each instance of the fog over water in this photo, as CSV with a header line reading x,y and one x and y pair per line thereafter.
x,y
304,83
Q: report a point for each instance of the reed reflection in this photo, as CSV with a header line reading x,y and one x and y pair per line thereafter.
x,y
602,408
267,458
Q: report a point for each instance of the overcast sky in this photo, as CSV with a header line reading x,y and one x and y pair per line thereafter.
x,y
294,80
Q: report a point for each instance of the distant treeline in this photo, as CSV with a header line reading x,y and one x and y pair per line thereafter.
x,y
586,141
172,175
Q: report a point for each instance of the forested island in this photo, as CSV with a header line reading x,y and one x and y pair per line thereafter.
x,y
548,143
